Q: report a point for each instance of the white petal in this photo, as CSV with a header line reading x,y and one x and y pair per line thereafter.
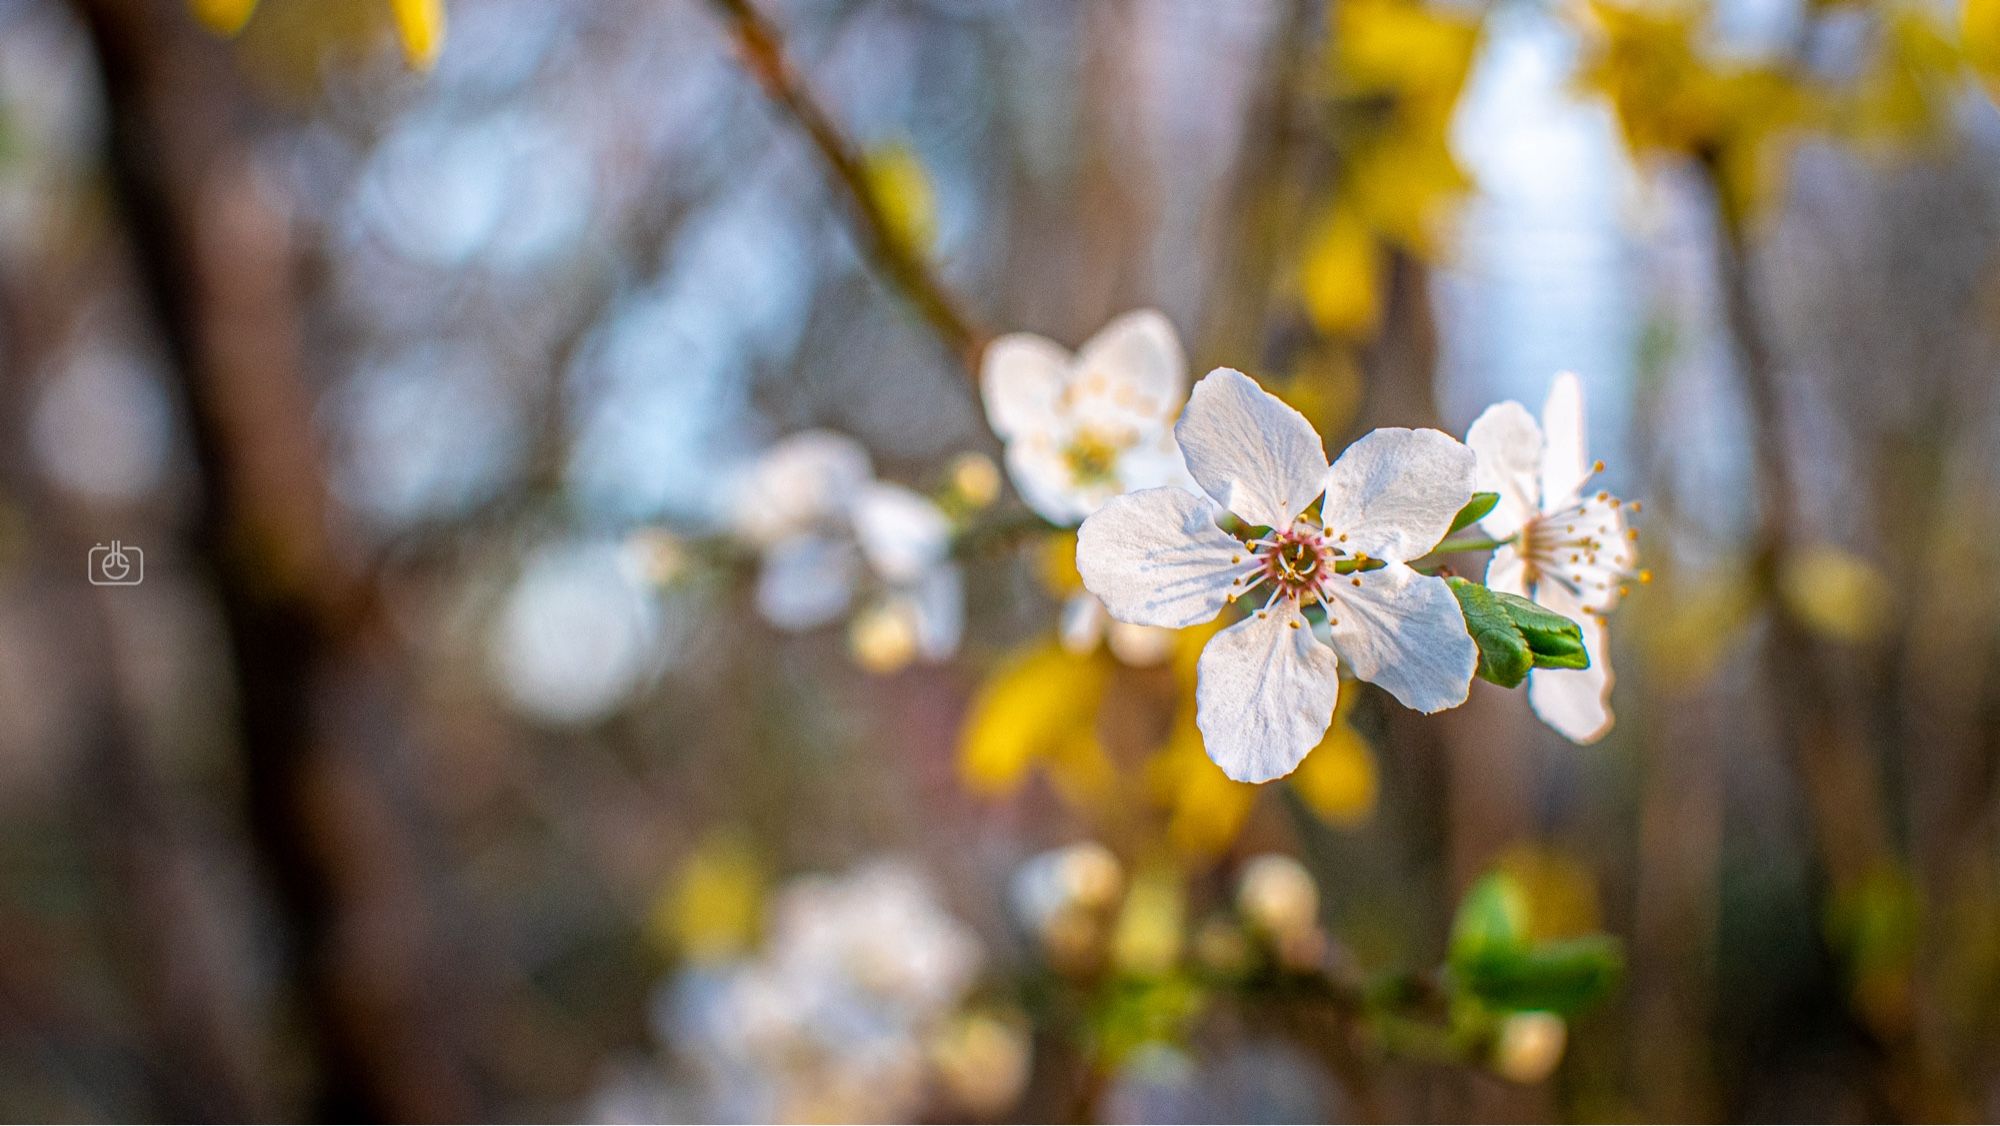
x,y
1404,631
1576,702
806,582
1021,379
1156,558
1082,623
1046,483
1264,694
1507,446
1565,464
1393,493
937,601
901,533
1255,455
805,478
1155,464
1132,369
1507,572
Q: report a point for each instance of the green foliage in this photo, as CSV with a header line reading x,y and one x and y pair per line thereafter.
x,y
1497,960
1515,635
1475,509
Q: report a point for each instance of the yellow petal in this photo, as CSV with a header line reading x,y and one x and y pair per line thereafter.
x,y
713,906
1338,275
420,25
1041,709
1979,23
902,189
224,17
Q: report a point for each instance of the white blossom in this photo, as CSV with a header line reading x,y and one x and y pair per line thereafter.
x,y
828,533
1568,548
832,1019
1266,686
1081,429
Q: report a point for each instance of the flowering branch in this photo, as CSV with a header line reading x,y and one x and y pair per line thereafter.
x,y
762,51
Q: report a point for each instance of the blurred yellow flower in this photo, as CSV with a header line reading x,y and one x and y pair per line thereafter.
x,y
1668,99
1837,593
1558,891
901,187
419,24
1152,927
1040,710
1338,275
1979,25
713,907
224,17
1398,68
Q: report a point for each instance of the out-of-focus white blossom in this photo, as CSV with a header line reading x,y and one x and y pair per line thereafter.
x,y
828,534
837,1017
1081,429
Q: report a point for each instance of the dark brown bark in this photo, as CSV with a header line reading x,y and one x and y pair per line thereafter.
x,y
214,265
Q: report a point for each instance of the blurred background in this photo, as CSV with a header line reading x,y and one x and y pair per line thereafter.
x,y
442,765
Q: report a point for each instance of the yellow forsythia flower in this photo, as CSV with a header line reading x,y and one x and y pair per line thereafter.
x,y
713,907
224,17
1979,23
1040,710
902,189
420,25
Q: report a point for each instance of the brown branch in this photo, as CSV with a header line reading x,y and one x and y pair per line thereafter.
x,y
1817,724
761,49
315,678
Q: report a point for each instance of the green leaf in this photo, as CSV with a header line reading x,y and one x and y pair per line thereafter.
x,y
1475,509
1495,959
1515,635
1556,641
1492,919
1562,977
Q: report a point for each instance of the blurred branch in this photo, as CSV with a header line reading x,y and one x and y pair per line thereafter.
x,y
762,51
1817,720
314,677
202,1059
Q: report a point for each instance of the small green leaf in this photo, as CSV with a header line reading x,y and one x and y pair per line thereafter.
x,y
1475,509
1560,977
1515,635
1504,656
1556,641
1492,920
1495,959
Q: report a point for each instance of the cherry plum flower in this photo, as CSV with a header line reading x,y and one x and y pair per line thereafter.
x,y
1080,429
1567,547
828,533
1266,686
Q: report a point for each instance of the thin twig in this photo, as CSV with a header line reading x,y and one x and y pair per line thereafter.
x,y
762,51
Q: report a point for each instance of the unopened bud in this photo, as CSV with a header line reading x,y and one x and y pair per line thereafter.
x,y
1277,894
1530,1046
975,479
883,639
